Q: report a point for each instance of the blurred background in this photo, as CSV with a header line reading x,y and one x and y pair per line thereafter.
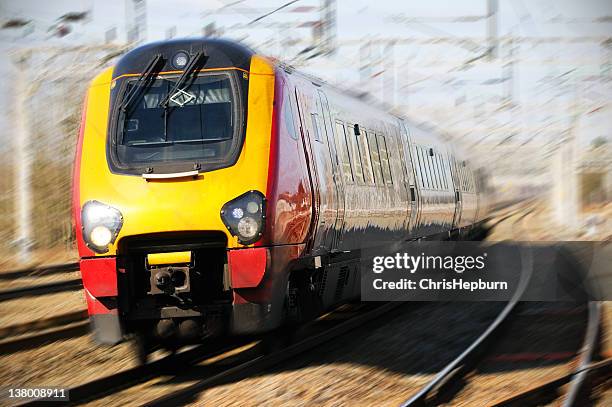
x,y
523,87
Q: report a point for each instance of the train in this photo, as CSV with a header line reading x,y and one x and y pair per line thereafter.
x,y
220,192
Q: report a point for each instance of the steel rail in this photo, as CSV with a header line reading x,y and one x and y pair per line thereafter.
x,y
104,386
19,337
35,340
603,369
265,361
587,351
43,323
40,271
456,368
128,378
41,289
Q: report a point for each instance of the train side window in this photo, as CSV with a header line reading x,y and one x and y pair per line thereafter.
x,y
446,162
417,150
356,157
417,165
440,171
384,159
472,188
344,153
426,169
443,170
365,157
434,159
432,170
375,158
453,167
469,181
315,126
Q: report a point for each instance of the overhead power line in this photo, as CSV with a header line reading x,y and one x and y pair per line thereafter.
x,y
273,11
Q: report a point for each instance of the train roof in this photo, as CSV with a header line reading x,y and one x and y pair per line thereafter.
x,y
221,53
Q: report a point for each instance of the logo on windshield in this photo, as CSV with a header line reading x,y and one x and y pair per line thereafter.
x,y
181,97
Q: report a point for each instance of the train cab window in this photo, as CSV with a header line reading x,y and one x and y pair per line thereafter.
x,y
365,156
354,149
344,153
198,124
375,158
384,159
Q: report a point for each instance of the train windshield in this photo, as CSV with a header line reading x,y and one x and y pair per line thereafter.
x,y
195,124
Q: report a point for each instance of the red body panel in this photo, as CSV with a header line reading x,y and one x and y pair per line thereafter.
x,y
100,276
96,307
288,193
247,266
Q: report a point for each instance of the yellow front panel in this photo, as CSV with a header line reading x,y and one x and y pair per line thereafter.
x,y
157,259
182,204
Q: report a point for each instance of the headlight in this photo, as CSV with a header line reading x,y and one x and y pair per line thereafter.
x,y
101,225
244,216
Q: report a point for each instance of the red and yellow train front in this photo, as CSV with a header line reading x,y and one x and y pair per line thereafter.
x,y
175,194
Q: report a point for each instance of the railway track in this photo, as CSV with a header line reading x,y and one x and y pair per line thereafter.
x,y
32,334
579,382
40,271
458,367
570,389
231,360
41,289
253,360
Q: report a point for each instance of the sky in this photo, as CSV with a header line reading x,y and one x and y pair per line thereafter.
x,y
357,20
356,17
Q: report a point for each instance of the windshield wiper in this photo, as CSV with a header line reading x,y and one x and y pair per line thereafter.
x,y
181,80
144,76
170,143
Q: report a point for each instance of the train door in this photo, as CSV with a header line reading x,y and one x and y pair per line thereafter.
x,y
410,177
337,176
320,165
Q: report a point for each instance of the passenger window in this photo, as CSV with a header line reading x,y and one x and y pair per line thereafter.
x,y
426,168
421,167
432,170
365,157
344,153
354,148
375,158
384,159
434,160
315,126
417,165
443,171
